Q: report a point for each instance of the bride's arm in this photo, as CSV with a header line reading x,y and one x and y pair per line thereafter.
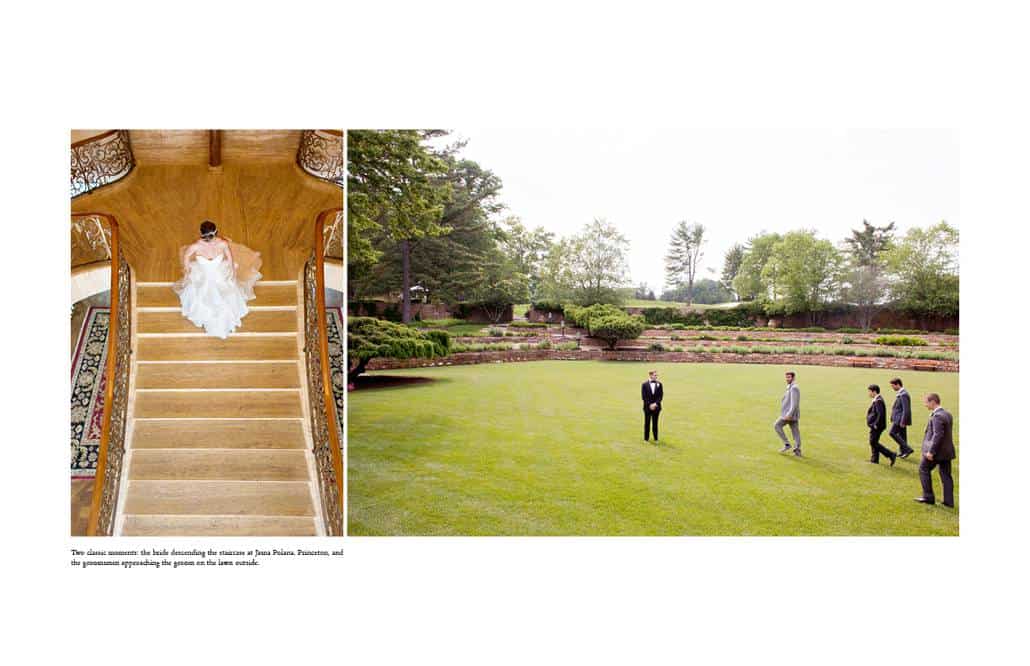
x,y
186,257
232,260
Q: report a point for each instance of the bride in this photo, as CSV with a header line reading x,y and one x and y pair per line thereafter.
x,y
218,280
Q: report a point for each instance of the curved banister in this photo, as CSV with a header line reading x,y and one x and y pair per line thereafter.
x,y
323,382
95,137
99,523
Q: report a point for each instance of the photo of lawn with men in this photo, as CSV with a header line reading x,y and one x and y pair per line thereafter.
x,y
653,332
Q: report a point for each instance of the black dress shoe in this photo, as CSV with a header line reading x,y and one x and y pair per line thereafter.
x,y
894,459
875,462
950,506
923,500
905,454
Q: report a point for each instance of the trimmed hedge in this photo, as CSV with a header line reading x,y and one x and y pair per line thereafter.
x,y
899,341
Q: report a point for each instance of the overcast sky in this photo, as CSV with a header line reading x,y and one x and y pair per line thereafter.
x,y
735,182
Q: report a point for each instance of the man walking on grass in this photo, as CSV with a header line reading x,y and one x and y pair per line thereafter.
x,y
901,418
652,392
790,413
938,451
876,419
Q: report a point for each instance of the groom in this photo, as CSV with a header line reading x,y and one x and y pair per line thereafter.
x,y
651,392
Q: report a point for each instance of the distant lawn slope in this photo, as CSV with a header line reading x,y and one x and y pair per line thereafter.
x,y
556,448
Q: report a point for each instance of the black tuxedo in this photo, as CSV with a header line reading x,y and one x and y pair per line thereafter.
x,y
649,396
876,419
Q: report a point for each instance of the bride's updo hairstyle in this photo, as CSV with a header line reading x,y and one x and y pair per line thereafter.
x,y
208,230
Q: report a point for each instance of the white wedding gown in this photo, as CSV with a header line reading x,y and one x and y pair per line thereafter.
x,y
212,298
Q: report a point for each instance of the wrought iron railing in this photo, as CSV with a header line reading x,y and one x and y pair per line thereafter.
x,y
116,383
321,154
326,430
100,160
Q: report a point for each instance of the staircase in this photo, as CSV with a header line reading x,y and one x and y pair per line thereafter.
x,y
218,443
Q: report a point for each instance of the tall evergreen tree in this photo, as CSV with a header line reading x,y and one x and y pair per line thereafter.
x,y
684,256
731,266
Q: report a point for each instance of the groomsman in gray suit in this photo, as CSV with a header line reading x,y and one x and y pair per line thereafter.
x,y
901,418
938,451
790,413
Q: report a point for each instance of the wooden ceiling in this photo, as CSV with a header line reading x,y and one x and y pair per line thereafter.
x,y
185,147
268,205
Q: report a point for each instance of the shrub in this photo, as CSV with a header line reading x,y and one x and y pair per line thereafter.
x,y
705,336
614,327
497,332
899,341
368,338
734,317
656,346
548,306
847,340
544,344
674,337
528,324
742,338
567,346
811,329
951,331
849,329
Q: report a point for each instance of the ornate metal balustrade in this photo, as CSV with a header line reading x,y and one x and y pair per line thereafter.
x,y
332,238
100,160
107,481
321,154
326,430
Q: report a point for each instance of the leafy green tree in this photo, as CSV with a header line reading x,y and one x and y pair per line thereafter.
x,y
864,287
613,327
706,292
597,263
368,338
803,272
395,193
495,283
686,248
527,249
445,264
748,282
924,270
731,266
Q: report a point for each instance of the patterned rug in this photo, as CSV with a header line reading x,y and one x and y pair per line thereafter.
x,y
87,403
334,326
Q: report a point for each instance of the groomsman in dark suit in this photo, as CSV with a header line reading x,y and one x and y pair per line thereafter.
x,y
876,419
938,451
901,418
652,392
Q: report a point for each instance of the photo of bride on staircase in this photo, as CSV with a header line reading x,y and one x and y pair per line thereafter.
x,y
206,332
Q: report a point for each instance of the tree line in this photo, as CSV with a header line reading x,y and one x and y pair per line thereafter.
x,y
421,215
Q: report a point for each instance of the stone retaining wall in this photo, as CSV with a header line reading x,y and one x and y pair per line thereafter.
x,y
471,358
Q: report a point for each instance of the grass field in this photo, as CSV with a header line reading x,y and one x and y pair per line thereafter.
x,y
556,448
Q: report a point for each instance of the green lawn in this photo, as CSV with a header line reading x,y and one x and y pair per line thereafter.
x,y
556,447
